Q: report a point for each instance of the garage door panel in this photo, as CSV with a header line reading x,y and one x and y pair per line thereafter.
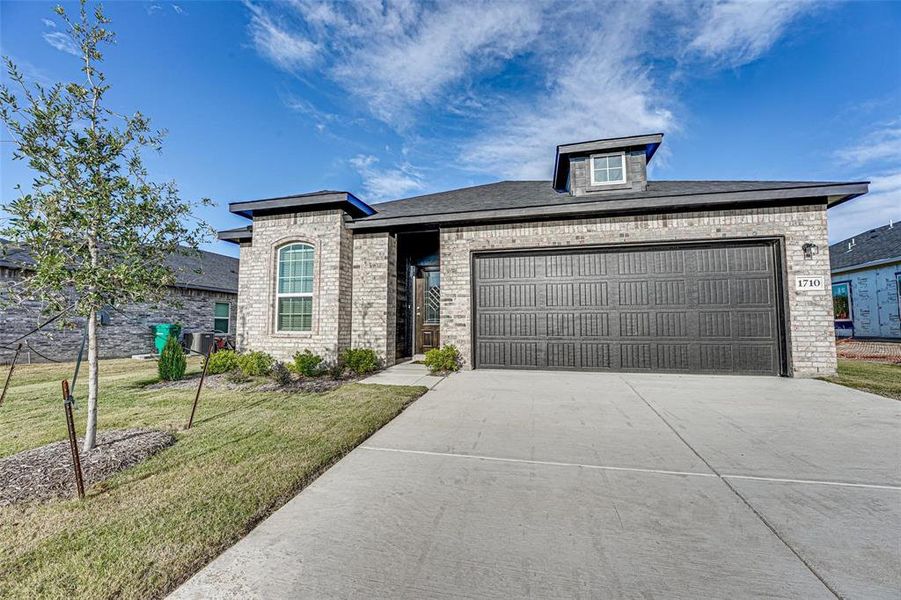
x,y
680,309
749,259
757,290
757,324
670,292
672,324
757,358
673,357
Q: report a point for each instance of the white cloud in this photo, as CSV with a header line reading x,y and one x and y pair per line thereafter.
x,y
445,46
386,184
178,9
289,50
399,56
881,144
62,42
48,23
602,91
736,32
570,71
876,157
881,205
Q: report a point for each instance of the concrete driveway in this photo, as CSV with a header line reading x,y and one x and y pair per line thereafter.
x,y
501,484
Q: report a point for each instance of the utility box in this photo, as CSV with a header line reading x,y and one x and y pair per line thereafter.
x,y
199,341
162,332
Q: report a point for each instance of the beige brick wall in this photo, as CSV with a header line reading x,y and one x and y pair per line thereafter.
x,y
811,335
332,292
375,293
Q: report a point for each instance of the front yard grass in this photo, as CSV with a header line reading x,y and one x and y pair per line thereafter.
x,y
147,529
878,378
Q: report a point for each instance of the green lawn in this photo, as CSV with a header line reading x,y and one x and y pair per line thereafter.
x,y
878,378
149,528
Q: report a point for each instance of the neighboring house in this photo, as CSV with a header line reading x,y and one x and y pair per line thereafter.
x,y
204,298
598,269
866,284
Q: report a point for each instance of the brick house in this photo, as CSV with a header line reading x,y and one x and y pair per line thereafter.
x,y
204,298
597,269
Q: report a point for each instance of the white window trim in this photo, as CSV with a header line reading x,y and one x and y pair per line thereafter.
x,y
591,169
228,329
280,295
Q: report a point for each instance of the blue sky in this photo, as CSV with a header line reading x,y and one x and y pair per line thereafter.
x,y
402,98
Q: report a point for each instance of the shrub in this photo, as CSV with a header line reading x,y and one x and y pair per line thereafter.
x,y
172,363
222,361
360,360
336,369
443,359
236,376
307,364
255,363
280,373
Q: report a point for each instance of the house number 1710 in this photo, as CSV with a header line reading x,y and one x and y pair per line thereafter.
x,y
809,283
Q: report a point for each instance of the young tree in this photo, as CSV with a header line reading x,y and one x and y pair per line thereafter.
x,y
98,229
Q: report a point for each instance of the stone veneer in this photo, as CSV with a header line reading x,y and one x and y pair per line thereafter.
x,y
332,284
125,335
354,293
375,294
811,334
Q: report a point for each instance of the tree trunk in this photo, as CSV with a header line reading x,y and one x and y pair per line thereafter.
x,y
90,434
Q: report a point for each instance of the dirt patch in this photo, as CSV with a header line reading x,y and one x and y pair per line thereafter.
x,y
259,384
876,351
46,472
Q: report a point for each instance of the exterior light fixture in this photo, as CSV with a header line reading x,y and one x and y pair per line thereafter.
x,y
810,250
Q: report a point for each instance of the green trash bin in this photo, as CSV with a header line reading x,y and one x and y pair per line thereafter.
x,y
161,333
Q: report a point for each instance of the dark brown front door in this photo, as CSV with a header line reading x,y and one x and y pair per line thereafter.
x,y
428,310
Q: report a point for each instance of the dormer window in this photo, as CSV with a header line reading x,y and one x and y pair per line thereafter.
x,y
608,168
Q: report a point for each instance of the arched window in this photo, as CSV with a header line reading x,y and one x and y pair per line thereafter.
x,y
294,292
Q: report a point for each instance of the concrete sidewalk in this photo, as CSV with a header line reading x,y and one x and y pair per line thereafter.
x,y
564,485
406,373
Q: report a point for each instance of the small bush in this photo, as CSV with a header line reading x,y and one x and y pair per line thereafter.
x,y
307,364
255,363
222,361
443,359
336,369
236,376
360,360
172,363
280,373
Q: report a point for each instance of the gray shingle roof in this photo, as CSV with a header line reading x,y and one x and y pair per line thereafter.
x,y
217,272
524,194
882,243
508,201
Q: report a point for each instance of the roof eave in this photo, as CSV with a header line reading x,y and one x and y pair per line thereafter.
x,y
868,265
346,201
236,236
595,206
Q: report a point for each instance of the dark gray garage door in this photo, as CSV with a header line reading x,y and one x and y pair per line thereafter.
x,y
700,309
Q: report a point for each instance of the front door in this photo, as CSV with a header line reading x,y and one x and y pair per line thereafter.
x,y
428,310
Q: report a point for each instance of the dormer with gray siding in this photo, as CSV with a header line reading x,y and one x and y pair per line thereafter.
x,y
600,167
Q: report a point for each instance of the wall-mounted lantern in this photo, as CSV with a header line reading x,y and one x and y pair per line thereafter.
x,y
810,250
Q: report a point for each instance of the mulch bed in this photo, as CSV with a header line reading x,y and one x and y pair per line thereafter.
x,y
45,473
221,382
